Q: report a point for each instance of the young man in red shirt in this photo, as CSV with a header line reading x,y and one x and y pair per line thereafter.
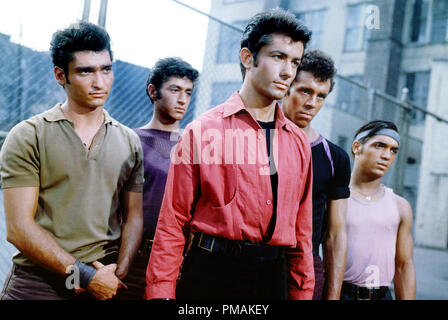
x,y
248,205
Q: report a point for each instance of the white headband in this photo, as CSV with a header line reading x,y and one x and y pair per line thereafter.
x,y
385,132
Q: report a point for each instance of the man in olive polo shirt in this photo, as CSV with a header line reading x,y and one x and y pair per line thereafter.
x,y
72,179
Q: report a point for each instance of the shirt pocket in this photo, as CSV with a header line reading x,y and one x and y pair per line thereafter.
x,y
223,186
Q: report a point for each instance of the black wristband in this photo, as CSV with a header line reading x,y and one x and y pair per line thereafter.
x,y
86,273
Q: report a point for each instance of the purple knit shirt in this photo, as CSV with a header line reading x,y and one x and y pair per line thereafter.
x,y
156,145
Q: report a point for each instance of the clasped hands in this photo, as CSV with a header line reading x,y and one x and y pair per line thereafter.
x,y
106,282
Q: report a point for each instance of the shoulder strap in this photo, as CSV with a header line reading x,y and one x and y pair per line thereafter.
x,y
328,153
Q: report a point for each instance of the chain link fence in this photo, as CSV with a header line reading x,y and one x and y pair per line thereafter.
x,y
28,87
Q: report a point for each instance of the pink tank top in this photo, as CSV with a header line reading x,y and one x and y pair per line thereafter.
x,y
372,235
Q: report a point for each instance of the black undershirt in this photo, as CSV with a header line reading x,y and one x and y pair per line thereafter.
x,y
327,186
268,128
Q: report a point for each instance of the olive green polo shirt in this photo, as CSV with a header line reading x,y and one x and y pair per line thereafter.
x,y
79,188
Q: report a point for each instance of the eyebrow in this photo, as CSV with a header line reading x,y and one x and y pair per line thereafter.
x,y
278,52
306,87
175,86
283,54
92,68
383,144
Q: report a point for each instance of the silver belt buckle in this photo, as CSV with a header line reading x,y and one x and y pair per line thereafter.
x,y
206,249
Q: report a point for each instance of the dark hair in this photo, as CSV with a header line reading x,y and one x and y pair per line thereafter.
x,y
257,32
80,36
374,126
169,67
320,65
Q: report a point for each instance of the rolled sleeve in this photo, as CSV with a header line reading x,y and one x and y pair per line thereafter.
x,y
136,179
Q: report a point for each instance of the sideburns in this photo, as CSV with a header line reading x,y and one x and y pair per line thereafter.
x,y
256,60
158,94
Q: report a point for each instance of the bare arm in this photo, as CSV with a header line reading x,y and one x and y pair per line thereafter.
x,y
38,245
24,233
131,231
404,279
335,249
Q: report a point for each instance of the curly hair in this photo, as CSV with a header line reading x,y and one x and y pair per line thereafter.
x,y
320,65
257,32
80,36
166,68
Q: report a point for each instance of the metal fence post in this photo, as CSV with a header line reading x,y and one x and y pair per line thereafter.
x,y
402,155
103,13
86,10
371,102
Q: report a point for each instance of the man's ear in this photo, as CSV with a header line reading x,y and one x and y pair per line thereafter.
x,y
246,58
152,91
59,74
356,147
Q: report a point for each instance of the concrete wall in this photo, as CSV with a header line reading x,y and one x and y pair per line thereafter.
x,y
432,208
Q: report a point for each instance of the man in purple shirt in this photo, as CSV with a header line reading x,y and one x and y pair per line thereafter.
x,y
169,87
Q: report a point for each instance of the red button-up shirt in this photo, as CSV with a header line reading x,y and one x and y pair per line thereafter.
x,y
219,183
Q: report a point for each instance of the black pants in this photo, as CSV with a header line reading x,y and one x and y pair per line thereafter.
x,y
348,292
212,276
319,278
136,278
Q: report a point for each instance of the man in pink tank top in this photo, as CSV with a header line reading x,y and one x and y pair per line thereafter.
x,y
379,222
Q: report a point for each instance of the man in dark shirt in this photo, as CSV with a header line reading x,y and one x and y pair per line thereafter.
x,y
331,172
169,87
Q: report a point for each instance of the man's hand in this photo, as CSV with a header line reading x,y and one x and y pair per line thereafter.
x,y
104,284
121,273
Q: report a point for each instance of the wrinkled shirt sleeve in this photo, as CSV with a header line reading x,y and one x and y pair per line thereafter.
x,y
300,278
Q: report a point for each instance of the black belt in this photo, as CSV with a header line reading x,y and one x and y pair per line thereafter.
x,y
239,249
364,293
